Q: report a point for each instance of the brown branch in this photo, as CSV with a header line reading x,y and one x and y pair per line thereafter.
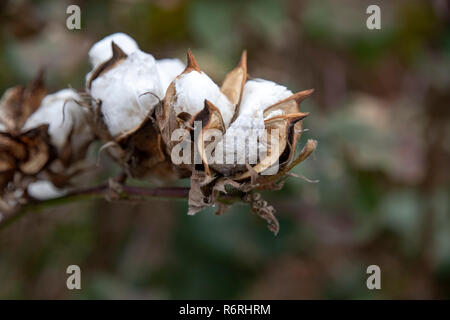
x,y
99,192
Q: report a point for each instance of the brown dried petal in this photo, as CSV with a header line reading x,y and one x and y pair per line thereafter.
x,y
234,82
210,118
10,146
38,147
19,102
7,162
290,104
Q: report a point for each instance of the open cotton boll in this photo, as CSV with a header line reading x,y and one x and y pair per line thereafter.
x,y
126,93
168,70
101,51
248,127
44,190
193,88
64,116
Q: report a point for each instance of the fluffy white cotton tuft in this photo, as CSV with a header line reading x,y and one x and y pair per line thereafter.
x,y
257,96
168,70
193,88
126,93
44,190
249,125
63,115
101,51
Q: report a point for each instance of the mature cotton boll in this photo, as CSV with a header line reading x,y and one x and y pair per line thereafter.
x,y
249,125
193,88
44,190
168,70
63,115
101,51
126,93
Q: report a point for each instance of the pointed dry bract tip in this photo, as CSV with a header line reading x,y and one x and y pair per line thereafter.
x,y
117,52
210,106
302,95
39,80
301,115
243,62
191,62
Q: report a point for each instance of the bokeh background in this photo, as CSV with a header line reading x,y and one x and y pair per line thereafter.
x,y
380,112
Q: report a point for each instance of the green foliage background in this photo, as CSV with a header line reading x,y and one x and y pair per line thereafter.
x,y
380,113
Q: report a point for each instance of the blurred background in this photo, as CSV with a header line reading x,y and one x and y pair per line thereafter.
x,y
380,112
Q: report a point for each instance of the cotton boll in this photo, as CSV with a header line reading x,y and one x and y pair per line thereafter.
x,y
44,190
101,51
193,88
168,70
249,125
126,92
64,116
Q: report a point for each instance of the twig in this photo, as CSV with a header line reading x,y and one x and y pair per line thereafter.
x,y
99,192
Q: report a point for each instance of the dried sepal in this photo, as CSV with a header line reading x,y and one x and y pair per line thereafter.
x,y
260,207
285,143
210,119
192,64
143,153
200,193
233,84
37,144
11,147
288,105
19,102
276,182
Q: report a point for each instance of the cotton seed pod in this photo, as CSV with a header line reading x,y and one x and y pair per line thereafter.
x,y
24,152
125,86
250,111
128,83
184,102
68,122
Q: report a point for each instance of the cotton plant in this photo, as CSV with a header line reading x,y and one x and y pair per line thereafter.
x,y
156,118
42,137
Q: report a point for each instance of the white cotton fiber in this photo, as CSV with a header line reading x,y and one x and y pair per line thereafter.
x,y
193,88
63,115
168,70
44,190
249,125
101,51
126,92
